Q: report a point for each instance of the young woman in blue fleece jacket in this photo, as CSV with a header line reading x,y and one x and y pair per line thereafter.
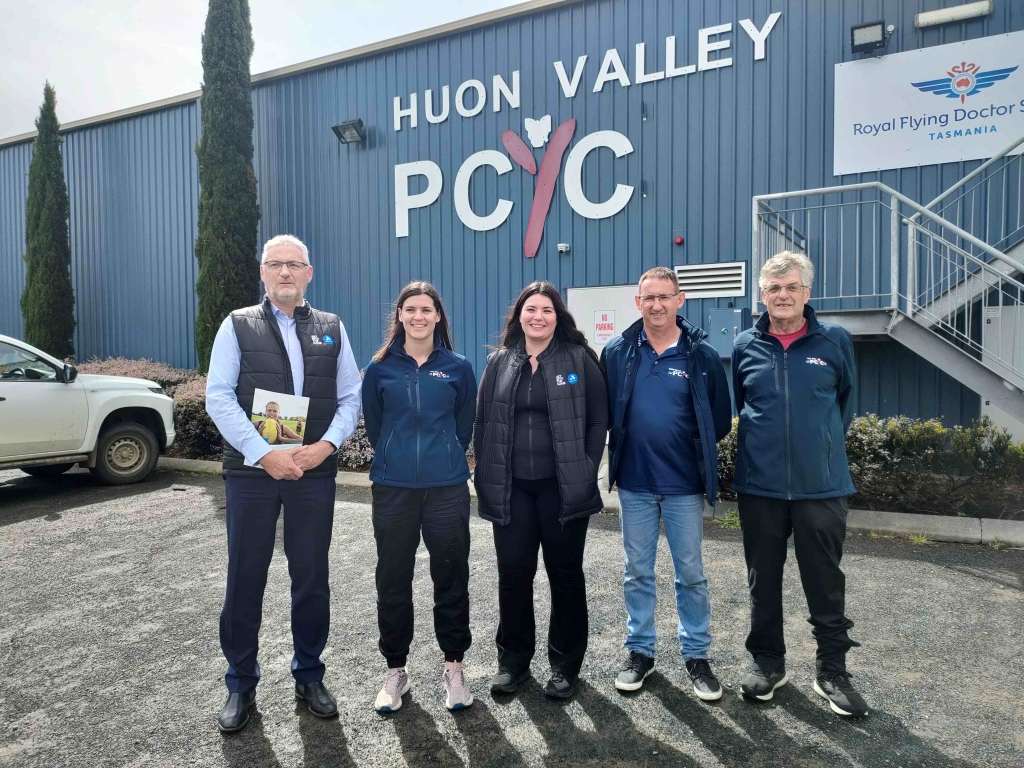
x,y
419,400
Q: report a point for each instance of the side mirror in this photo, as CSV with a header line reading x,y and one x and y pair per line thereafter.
x,y
70,373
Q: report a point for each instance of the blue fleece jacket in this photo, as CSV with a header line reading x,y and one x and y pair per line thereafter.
x,y
419,419
708,387
795,406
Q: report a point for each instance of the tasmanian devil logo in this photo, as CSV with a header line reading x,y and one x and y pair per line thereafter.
x,y
550,167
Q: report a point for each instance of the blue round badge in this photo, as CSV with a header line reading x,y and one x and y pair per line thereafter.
x,y
328,339
572,378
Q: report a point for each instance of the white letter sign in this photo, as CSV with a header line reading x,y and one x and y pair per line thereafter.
x,y
618,144
404,202
496,218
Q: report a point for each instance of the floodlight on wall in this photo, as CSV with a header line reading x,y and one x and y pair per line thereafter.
x,y
350,131
865,38
956,13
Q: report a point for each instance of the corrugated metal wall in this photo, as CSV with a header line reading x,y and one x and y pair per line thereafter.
x,y
14,162
703,145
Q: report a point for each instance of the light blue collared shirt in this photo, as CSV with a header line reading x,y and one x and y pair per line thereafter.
x,y
233,422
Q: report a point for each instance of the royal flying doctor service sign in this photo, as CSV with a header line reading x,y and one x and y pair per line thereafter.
x,y
963,101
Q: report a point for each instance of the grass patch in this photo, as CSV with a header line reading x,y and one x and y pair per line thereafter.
x,y
920,538
730,519
997,544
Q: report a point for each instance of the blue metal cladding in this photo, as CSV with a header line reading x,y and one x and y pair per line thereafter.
x,y
14,162
133,193
704,144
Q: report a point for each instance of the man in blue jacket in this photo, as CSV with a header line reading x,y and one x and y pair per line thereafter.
x,y
669,405
793,381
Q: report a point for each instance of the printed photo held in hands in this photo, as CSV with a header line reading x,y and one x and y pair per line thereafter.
x,y
279,418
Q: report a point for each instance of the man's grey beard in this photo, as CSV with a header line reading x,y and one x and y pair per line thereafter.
x,y
287,295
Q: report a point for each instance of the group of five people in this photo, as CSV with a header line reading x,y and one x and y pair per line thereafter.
x,y
537,422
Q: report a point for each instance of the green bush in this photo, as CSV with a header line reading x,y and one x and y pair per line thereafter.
x,y
909,465
198,437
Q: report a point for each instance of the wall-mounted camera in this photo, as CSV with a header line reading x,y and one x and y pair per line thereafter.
x,y
563,248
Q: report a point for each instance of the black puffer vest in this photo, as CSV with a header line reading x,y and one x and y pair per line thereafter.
x,y
562,370
264,365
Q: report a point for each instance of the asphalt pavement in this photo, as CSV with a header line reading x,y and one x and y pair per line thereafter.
x,y
109,653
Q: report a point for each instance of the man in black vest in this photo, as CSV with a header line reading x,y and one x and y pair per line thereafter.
x,y
284,346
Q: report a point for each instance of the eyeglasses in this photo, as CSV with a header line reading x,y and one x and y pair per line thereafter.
x,y
294,266
791,289
664,298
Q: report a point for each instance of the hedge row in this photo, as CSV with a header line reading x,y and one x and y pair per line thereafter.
x,y
898,464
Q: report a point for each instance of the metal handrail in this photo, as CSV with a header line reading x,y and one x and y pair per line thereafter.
x,y
974,174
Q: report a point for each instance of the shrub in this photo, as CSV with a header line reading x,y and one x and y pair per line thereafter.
x,y
165,375
909,465
356,453
197,438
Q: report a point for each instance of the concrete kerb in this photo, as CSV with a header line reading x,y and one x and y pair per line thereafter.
x,y
968,530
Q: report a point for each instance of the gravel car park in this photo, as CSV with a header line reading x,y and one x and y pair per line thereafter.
x,y
109,653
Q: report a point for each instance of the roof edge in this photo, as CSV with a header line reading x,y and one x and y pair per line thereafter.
x,y
423,35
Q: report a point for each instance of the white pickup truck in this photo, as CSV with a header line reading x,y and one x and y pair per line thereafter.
x,y
52,418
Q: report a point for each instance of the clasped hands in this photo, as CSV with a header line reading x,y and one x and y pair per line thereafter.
x,y
291,463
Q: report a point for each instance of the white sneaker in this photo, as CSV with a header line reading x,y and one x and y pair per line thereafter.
x,y
456,693
396,685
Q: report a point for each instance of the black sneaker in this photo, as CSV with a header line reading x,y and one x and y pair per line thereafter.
x,y
560,686
705,684
835,687
508,681
632,676
762,685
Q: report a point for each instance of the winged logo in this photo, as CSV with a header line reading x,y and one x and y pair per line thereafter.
x,y
965,79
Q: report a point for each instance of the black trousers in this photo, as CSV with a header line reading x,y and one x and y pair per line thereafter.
x,y
399,514
534,524
253,506
819,530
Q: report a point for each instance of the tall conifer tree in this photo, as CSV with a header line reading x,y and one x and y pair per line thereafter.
x,y
48,301
228,209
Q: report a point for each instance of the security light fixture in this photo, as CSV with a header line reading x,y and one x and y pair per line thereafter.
x,y
956,13
350,131
865,38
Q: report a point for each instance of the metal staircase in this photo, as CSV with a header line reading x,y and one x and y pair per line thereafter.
x,y
924,276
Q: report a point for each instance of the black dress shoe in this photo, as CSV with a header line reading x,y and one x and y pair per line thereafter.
x,y
318,698
560,686
236,711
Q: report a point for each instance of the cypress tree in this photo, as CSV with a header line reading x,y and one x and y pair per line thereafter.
x,y
228,209
48,301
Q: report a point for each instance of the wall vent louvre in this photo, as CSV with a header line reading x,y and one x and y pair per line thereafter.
x,y
714,280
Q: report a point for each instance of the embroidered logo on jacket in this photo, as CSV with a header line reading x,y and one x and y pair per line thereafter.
x,y
677,372
572,378
559,380
328,339
816,361
315,338
439,374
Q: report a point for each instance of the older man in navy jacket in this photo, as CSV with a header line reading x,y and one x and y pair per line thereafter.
x,y
793,381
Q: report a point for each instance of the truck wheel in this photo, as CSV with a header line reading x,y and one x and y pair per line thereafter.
x,y
125,453
47,470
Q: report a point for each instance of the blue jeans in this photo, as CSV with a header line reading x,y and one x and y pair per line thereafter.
x,y
684,528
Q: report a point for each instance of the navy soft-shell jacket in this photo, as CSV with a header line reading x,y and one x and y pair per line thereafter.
x,y
419,419
795,406
708,386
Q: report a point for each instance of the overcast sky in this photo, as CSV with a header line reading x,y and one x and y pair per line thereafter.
x,y
104,55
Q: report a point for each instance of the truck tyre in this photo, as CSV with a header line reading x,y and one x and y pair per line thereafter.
x,y
47,470
125,453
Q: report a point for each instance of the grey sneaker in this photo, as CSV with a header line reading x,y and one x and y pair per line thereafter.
x,y
835,687
396,685
761,685
456,693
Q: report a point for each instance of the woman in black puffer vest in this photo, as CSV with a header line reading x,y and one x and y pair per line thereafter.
x,y
541,420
